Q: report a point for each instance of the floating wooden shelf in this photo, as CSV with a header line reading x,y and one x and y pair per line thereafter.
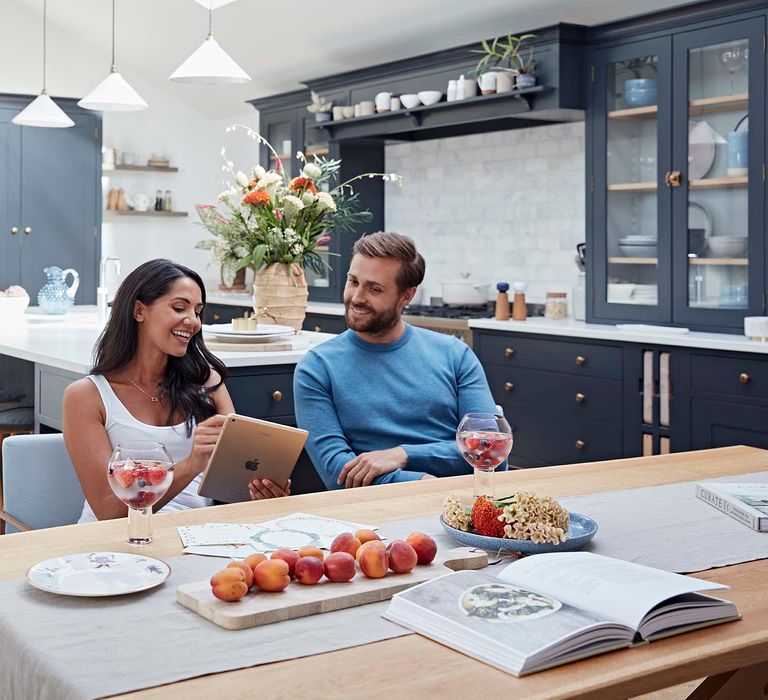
x,y
130,212
740,181
146,168
718,261
634,112
633,261
281,156
633,187
323,151
724,103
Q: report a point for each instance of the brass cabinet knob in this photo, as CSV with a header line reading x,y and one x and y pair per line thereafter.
x,y
216,317
277,395
509,352
14,230
581,360
744,378
27,230
318,329
580,444
672,178
508,386
580,398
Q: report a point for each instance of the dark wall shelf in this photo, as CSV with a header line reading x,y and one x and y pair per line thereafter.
x,y
149,213
146,168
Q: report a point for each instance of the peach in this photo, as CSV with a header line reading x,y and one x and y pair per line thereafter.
x,y
425,546
371,543
374,561
402,557
309,570
339,566
229,584
366,536
253,560
247,570
288,556
272,575
345,542
311,552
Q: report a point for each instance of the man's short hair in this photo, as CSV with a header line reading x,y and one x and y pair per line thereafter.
x,y
384,244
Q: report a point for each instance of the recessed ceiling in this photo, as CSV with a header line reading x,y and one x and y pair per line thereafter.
x,y
281,44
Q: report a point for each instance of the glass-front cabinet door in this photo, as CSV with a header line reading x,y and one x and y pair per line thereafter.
x,y
279,128
631,260
717,174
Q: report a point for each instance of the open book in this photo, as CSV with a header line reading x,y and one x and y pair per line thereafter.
x,y
549,609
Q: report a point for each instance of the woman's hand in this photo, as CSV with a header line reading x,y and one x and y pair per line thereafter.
x,y
264,488
204,440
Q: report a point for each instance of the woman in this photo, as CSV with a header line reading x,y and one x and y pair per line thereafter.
x,y
153,379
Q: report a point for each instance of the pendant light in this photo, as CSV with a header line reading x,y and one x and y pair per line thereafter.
x,y
210,64
113,94
43,111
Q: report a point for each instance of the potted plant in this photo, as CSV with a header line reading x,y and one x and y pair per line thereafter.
x,y
320,107
504,61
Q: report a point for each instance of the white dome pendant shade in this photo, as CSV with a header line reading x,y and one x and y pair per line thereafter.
x,y
113,94
43,111
210,64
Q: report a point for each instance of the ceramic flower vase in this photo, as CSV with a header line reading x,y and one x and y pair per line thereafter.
x,y
280,295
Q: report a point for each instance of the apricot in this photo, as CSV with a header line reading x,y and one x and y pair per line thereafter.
x,y
227,575
374,561
376,544
339,566
247,570
272,575
345,542
366,536
229,584
309,570
425,546
253,560
402,557
288,556
311,552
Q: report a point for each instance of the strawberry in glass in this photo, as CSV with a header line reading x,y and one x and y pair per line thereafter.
x,y
484,441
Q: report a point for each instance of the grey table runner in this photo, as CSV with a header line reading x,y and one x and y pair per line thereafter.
x,y
70,648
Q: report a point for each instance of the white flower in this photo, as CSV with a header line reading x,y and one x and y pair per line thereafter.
x,y
241,178
297,249
325,202
308,198
223,196
312,171
258,172
292,206
290,235
269,183
241,251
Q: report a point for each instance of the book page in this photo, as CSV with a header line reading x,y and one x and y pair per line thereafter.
x,y
616,589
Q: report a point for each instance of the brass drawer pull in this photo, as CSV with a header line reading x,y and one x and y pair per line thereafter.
x,y
580,398
277,395
216,317
509,352
318,329
14,230
744,378
508,386
581,360
580,444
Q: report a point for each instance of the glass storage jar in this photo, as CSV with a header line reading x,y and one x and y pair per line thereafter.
x,y
556,306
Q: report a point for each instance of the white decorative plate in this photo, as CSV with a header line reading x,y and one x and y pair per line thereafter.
x,y
97,574
264,332
701,150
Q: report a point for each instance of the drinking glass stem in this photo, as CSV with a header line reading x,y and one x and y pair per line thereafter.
x,y
484,483
139,525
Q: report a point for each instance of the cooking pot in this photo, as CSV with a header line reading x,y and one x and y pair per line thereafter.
x,y
465,292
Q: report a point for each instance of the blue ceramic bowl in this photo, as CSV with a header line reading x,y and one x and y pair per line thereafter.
x,y
640,92
580,531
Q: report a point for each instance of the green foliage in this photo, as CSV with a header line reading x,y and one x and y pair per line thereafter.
x,y
510,53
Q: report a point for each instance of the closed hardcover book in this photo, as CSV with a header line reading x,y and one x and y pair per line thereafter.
x,y
747,503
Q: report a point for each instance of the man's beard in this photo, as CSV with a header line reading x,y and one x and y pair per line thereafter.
x,y
374,323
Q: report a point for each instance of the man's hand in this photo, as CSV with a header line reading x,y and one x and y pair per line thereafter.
x,y
261,489
363,469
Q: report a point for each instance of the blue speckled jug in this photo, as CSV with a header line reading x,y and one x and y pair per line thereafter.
x,y
55,297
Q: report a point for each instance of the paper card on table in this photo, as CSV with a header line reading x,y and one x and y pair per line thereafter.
x,y
300,530
229,551
216,533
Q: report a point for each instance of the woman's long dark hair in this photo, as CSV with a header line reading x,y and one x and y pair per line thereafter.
x,y
185,376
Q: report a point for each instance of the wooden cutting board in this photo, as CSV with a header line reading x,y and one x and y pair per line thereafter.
x,y
249,347
297,600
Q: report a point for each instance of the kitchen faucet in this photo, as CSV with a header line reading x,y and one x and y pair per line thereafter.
x,y
103,291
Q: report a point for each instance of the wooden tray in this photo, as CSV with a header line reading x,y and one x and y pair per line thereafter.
x,y
249,347
297,600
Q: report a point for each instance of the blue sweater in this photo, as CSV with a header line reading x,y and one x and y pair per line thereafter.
x,y
354,397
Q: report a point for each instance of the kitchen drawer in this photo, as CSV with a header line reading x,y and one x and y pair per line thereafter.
x,y
559,439
223,313
744,377
583,359
324,324
722,424
264,394
593,398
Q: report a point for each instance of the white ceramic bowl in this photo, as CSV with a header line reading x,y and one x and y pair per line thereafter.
x,y
410,101
728,246
13,306
638,250
430,97
619,292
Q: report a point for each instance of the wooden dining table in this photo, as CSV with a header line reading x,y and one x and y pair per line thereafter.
x,y
733,657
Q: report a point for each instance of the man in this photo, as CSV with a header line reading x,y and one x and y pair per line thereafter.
x,y
382,400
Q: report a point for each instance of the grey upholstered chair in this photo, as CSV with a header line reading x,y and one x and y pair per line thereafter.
x,y
40,487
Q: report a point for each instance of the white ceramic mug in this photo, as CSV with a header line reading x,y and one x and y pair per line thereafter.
x,y
348,111
366,108
337,114
470,90
383,100
394,104
504,81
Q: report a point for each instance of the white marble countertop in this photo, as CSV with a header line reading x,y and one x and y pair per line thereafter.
x,y
67,342
642,334
245,299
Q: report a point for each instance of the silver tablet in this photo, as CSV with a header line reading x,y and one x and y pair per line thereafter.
x,y
247,449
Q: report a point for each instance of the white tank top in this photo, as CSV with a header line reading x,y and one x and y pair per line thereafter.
x,y
122,427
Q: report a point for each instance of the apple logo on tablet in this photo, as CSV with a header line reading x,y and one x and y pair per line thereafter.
x,y
252,465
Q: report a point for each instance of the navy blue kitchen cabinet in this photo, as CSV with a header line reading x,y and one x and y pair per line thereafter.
x,y
324,323
676,168
224,313
50,199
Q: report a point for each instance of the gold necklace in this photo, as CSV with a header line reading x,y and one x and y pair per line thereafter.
x,y
153,399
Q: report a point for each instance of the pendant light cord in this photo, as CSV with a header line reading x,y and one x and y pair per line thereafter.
x,y
210,19
45,9
114,68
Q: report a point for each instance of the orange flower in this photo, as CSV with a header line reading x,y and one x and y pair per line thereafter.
x,y
253,183
303,183
485,518
257,198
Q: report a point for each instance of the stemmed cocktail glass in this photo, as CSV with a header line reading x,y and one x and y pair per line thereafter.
x,y
485,441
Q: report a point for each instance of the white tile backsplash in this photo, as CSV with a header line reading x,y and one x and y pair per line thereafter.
x,y
503,206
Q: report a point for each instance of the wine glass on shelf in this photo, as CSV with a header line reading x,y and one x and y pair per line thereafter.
x,y
140,473
732,59
485,441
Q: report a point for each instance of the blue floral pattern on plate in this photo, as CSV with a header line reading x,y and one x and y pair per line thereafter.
x,y
580,531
